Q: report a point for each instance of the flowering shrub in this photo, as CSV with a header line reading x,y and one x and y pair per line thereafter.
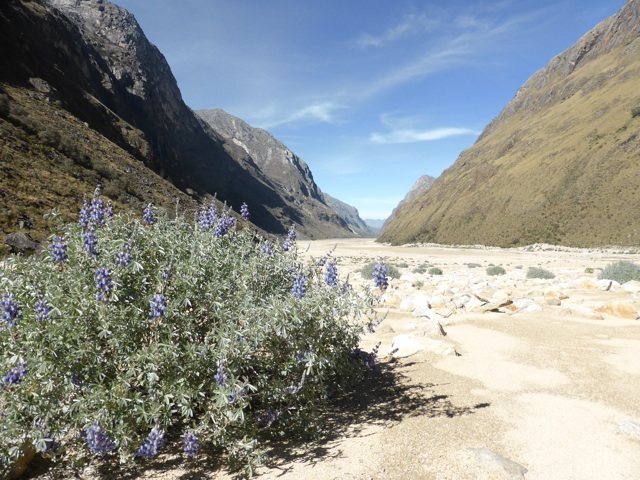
x,y
125,336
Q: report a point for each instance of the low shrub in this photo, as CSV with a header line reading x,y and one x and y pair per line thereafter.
x,y
496,270
622,272
127,334
368,269
535,272
435,271
588,270
473,265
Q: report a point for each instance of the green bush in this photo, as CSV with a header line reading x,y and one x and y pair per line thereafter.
x,y
622,272
473,265
588,270
170,331
495,270
435,271
367,270
535,272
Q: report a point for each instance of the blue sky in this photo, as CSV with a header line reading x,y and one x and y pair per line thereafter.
x,y
372,94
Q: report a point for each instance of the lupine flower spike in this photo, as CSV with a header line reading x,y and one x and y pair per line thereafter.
x,y
191,444
103,283
58,250
299,285
244,211
380,278
42,309
10,310
90,241
152,443
147,215
158,306
97,441
16,374
331,273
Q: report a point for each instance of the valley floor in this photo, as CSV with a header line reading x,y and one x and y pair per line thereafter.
x,y
482,377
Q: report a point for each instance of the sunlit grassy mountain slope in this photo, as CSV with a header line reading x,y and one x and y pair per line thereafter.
x,y
560,164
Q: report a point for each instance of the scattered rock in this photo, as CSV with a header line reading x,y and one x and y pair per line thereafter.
x,y
618,309
630,428
496,306
581,312
439,347
632,286
507,469
554,302
20,242
414,301
432,328
404,346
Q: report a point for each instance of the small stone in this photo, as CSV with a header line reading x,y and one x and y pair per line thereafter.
x,y
20,242
619,309
507,469
630,428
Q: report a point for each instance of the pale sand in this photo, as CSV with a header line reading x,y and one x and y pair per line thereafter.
x,y
548,390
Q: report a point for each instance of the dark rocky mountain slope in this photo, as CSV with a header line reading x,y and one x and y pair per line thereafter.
x,y
560,164
289,173
85,98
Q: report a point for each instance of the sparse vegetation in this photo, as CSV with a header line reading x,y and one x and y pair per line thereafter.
x,y
435,271
495,270
367,270
535,272
622,271
588,270
474,265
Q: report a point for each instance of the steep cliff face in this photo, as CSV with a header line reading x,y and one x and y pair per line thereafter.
x,y
92,59
290,175
350,215
558,165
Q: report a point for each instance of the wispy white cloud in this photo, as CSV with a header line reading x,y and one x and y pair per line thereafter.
x,y
315,112
409,25
403,130
412,136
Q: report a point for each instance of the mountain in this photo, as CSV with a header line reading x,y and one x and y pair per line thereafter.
x,y
325,215
350,215
558,165
85,98
424,183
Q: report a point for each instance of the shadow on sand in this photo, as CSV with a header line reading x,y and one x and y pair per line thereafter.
x,y
384,397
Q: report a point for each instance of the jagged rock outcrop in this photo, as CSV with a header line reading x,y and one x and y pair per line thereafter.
x,y
424,183
558,165
91,59
289,173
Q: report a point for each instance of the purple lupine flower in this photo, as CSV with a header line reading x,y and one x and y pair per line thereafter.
x,y
85,213
225,223
96,210
236,394
158,305
152,443
58,250
124,258
380,278
291,234
90,241
108,210
244,211
10,310
16,374
322,261
103,283
266,248
299,285
221,376
42,309
97,441
269,418
190,444
206,220
331,273
147,215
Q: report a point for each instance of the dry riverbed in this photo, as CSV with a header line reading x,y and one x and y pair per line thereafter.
x,y
481,377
